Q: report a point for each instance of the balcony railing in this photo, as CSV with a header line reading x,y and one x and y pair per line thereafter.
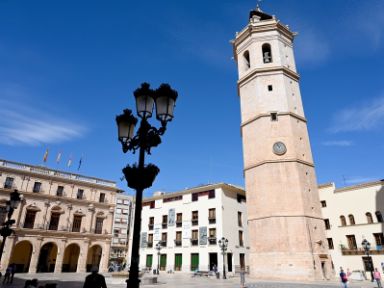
x,y
178,242
149,244
150,226
212,220
360,251
163,243
179,223
195,221
164,225
212,240
194,242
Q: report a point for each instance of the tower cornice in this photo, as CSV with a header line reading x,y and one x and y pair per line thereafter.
x,y
294,115
297,160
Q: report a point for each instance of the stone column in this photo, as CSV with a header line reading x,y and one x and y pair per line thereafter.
x,y
35,255
91,209
7,253
104,261
60,255
82,262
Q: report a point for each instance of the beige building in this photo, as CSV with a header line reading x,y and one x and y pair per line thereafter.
x,y
352,214
189,224
286,230
64,223
121,229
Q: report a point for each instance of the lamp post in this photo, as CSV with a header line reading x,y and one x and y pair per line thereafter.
x,y
6,229
367,247
140,177
223,243
158,248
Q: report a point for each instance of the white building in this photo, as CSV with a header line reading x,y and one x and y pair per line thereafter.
x,y
352,214
119,246
188,225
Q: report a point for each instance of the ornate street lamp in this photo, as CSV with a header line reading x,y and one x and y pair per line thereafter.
x,y
158,248
140,176
223,243
6,229
369,264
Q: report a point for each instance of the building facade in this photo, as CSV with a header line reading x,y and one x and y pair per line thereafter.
x,y
286,228
64,222
352,214
188,225
121,229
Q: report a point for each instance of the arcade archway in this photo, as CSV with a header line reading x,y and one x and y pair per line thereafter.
x,y
47,258
21,256
71,257
94,257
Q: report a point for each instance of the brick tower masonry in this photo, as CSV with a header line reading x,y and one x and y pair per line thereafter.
x,y
286,229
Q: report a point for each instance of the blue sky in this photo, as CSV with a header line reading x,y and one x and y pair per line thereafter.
x,y
68,67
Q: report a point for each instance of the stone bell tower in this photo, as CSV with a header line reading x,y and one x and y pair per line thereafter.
x,y
286,229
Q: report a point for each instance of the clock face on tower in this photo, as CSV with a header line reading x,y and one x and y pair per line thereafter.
x,y
279,148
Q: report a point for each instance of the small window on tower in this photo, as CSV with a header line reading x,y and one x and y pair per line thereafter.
x,y
270,88
267,53
247,61
274,116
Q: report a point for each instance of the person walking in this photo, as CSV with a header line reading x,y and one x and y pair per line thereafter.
x,y
95,280
377,277
7,276
343,278
13,265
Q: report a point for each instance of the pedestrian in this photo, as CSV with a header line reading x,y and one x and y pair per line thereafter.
x,y
343,278
382,266
13,265
7,276
95,280
33,283
377,277
27,283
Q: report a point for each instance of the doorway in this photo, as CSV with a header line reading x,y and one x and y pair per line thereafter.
x,y
229,261
212,261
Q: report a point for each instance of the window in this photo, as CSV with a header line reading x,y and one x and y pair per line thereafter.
x,y
118,211
241,198
274,116
239,219
195,237
194,261
30,219
247,62
8,183
270,88
99,225
330,243
178,238
351,219
379,238
343,222
379,217
125,211
3,214
36,187
195,217
178,262
212,236
369,218
76,223
60,191
80,194
242,261
327,224
54,223
351,242
164,239
179,219
102,198
119,201
267,54
195,196
163,262
165,221
148,262
323,203
116,233
150,240
211,194
212,216
151,222
241,240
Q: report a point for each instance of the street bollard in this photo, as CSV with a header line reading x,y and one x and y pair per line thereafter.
x,y
242,279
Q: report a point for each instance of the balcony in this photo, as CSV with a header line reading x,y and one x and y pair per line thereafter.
x,y
150,226
195,221
194,242
164,225
179,223
212,220
163,243
212,240
178,243
149,244
360,251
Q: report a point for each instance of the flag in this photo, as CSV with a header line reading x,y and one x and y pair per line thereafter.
x,y
80,162
69,161
58,158
45,158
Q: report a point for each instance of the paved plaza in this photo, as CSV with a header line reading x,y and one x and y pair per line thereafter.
x,y
76,280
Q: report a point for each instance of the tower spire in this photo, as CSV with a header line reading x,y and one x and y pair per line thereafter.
x,y
258,5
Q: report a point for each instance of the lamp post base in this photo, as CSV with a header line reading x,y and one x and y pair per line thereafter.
x,y
133,283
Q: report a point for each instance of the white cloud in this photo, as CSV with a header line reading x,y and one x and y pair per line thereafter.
x,y
358,179
368,116
22,125
341,143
